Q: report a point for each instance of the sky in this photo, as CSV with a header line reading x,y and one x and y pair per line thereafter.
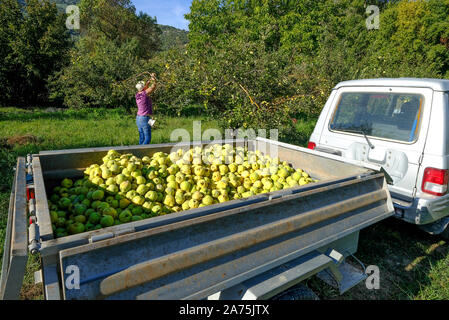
x,y
167,12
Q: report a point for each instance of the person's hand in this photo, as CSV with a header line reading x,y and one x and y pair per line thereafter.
x,y
153,77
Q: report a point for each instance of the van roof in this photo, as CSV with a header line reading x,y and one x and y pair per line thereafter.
x,y
435,84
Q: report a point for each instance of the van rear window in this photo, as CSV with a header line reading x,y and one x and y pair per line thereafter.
x,y
394,116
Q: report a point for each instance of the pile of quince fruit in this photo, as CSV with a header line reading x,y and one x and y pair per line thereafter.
x,y
125,188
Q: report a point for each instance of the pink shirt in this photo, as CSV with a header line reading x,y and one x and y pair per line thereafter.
x,y
144,104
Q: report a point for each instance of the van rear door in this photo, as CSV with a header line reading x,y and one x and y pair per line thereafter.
x,y
385,126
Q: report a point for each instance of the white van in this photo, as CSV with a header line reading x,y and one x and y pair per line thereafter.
x,y
402,126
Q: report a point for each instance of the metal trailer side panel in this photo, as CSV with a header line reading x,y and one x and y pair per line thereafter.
x,y
71,163
16,242
52,247
198,257
74,161
7,244
42,210
277,280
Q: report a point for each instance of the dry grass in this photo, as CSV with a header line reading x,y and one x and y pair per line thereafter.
x,y
22,140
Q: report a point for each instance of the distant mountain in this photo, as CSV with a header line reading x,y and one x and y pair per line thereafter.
x,y
173,38
61,4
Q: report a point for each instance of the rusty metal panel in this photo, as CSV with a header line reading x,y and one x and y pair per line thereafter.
x,y
158,268
195,257
16,242
54,246
276,280
129,246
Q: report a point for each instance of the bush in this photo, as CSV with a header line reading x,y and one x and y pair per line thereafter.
x,y
266,63
250,64
93,77
179,85
34,43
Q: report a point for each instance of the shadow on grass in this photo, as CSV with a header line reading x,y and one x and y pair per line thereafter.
x,y
406,252
405,256
16,114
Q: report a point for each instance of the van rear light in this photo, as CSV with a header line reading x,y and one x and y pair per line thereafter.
x,y
435,181
311,145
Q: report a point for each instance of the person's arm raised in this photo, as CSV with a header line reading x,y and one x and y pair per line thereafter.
x,y
150,90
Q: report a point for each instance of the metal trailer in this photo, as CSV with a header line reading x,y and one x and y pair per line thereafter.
x,y
251,248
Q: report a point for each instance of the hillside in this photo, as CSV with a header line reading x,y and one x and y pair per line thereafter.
x,y
62,4
171,37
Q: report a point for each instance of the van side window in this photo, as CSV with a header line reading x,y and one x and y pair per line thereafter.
x,y
394,116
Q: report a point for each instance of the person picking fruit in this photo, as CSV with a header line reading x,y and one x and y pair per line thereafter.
x,y
145,108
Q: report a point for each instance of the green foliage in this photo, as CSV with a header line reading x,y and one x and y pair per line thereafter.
x,y
60,4
412,41
108,54
117,21
179,86
247,51
96,66
272,61
260,64
33,44
173,38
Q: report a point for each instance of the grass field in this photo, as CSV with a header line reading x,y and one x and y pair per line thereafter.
x,y
30,131
413,265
